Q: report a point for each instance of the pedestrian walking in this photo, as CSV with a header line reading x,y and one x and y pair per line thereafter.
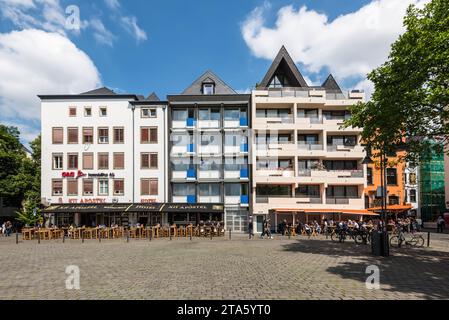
x,y
266,229
440,224
250,228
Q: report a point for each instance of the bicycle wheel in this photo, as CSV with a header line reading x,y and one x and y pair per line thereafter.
x,y
394,241
419,241
335,237
358,239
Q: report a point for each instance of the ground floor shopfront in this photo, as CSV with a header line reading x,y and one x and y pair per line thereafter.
x,y
295,216
91,215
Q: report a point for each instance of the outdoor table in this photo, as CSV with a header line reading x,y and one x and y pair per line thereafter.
x,y
292,231
27,234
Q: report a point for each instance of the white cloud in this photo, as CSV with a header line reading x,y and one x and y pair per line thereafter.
x,y
43,14
101,34
112,4
349,46
130,25
36,62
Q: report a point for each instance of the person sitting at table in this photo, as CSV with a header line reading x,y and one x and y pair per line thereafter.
x,y
298,228
355,225
308,229
317,226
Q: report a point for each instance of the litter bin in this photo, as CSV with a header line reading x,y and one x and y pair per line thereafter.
x,y
379,244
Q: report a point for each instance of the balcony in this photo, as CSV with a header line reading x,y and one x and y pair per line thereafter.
x,y
308,199
310,147
209,199
209,174
242,200
309,120
338,151
184,199
333,176
209,124
209,150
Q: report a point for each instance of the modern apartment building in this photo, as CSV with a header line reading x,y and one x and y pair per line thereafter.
x,y
208,167
101,153
305,166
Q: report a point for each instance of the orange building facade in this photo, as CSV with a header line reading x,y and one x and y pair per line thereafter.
x,y
396,198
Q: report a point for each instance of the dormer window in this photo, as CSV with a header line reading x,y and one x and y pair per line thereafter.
x,y
279,81
208,88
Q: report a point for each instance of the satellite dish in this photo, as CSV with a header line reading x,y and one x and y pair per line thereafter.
x,y
87,146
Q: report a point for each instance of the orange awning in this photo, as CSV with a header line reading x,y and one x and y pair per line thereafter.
x,y
347,211
395,207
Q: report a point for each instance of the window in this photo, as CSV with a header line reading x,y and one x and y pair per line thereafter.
x,y
148,135
392,178
412,178
208,88
88,135
393,200
341,140
72,135
88,112
119,187
342,192
233,189
58,136
340,165
148,160
307,164
369,176
103,187
103,111
308,192
103,135
56,187
72,161
119,160
72,111
149,187
311,139
311,113
148,113
279,81
412,196
231,114
183,189
72,187
58,162
103,161
119,135
209,114
179,115
274,191
209,190
88,161
88,187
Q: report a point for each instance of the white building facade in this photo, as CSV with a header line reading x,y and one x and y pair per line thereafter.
x,y
102,149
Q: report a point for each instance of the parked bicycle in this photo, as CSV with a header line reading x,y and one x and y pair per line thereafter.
x,y
416,240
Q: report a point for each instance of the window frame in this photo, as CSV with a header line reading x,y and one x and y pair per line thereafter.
x,y
61,155
99,162
77,161
77,135
53,188
99,136
53,135
113,161
114,141
99,187
100,109
85,112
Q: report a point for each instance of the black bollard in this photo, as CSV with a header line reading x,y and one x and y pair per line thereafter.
x,y
82,236
127,235
63,238
428,239
38,237
17,237
230,236
191,234
151,235
99,236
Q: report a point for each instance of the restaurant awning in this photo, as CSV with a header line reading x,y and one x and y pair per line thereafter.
x,y
326,211
396,207
134,207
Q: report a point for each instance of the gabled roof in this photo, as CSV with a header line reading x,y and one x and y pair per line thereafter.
x,y
284,63
331,85
196,87
153,97
100,91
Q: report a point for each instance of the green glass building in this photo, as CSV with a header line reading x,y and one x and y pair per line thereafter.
x,y
432,192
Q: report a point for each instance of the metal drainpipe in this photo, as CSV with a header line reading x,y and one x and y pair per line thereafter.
x,y
134,146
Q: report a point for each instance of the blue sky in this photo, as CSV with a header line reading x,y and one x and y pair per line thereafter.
x,y
141,46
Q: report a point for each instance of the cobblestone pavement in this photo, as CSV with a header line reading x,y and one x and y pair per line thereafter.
x,y
220,269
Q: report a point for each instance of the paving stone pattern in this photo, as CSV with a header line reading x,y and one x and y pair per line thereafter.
x,y
298,268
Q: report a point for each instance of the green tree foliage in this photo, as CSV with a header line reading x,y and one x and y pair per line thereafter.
x,y
19,174
409,107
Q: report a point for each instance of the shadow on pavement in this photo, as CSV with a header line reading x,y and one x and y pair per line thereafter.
x,y
423,272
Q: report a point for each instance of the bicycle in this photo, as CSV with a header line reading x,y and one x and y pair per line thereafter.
x,y
362,236
416,240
